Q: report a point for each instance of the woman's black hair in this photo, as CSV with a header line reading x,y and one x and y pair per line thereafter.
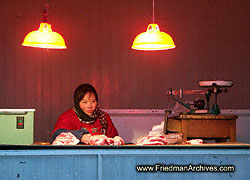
x,y
81,91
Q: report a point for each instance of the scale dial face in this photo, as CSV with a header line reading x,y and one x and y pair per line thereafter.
x,y
216,83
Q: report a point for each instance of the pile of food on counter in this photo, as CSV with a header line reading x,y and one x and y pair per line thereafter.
x,y
69,139
160,139
194,141
66,138
157,137
104,140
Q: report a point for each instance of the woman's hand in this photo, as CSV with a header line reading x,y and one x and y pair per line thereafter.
x,y
95,139
86,139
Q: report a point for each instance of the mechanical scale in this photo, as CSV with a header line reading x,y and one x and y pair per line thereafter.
x,y
199,106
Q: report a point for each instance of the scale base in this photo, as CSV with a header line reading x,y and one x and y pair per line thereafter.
x,y
214,111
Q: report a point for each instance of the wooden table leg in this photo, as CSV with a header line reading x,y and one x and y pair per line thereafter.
x,y
233,131
184,130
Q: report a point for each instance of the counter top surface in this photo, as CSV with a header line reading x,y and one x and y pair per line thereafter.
x,y
227,145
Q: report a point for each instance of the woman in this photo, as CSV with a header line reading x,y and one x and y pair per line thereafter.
x,y
85,119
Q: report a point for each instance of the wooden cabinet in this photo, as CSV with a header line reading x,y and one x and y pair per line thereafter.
x,y
204,126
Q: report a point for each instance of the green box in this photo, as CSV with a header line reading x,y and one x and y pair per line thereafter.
x,y
17,126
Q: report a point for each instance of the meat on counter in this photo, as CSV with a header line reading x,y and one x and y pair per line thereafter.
x,y
160,139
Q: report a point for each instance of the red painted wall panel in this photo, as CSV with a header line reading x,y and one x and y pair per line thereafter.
x,y
212,38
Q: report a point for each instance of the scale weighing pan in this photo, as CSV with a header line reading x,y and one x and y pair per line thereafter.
x,y
216,83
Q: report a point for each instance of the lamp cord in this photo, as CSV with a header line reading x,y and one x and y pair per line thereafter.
x,y
45,11
153,11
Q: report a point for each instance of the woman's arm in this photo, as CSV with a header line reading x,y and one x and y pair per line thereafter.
x,y
68,122
77,133
111,130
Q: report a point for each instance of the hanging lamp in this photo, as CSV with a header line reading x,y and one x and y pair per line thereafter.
x,y
153,39
44,37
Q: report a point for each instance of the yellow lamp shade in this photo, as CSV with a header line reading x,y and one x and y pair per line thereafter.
x,y
44,37
153,39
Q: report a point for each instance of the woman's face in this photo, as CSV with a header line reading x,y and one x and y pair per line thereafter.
x,y
88,103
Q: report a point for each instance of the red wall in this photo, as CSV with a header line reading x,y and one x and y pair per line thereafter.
x,y
212,39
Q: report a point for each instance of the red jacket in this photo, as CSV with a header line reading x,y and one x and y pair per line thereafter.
x,y
69,120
